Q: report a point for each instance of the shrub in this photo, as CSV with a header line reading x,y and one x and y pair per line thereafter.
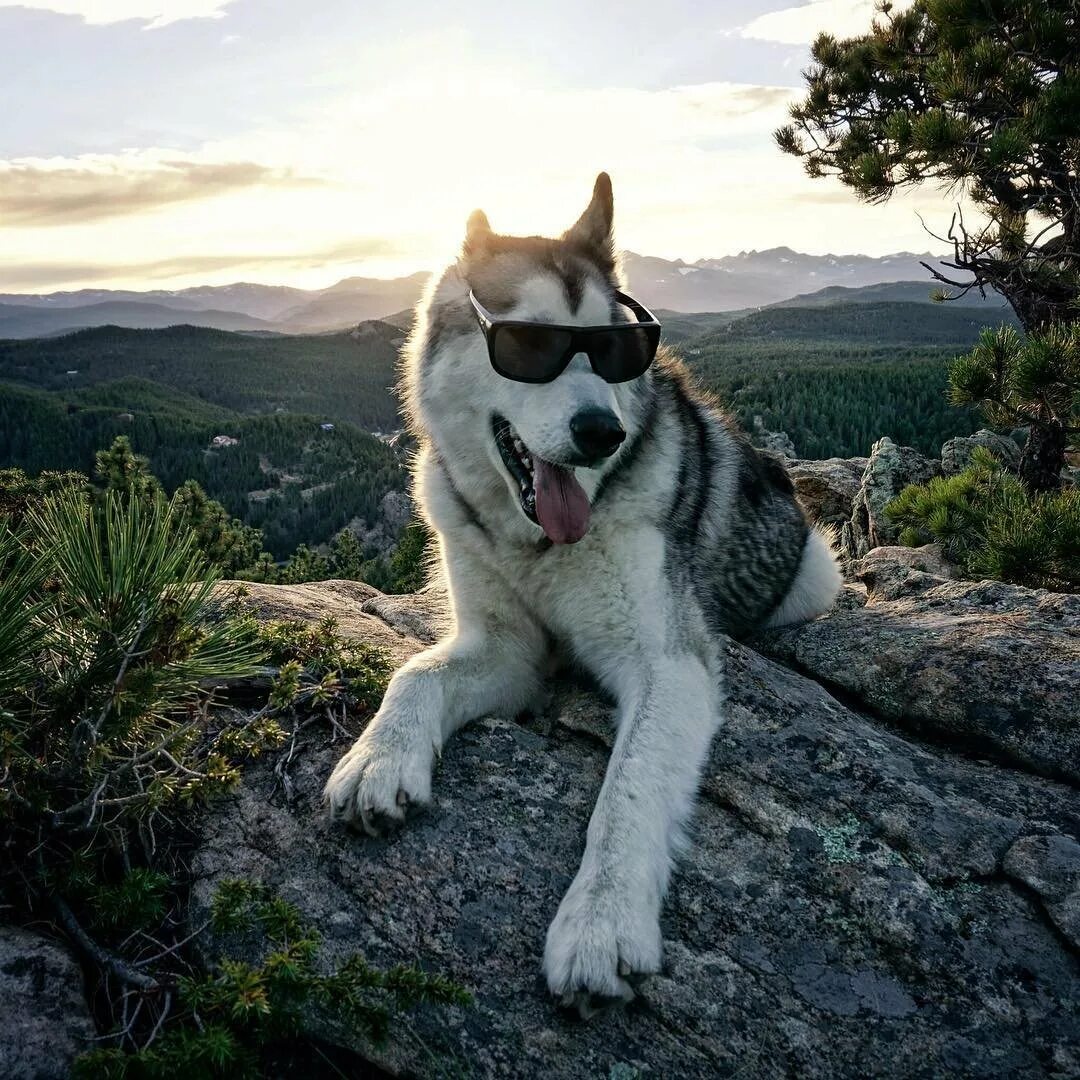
x,y
987,522
1032,382
410,563
228,1017
113,640
111,616
109,641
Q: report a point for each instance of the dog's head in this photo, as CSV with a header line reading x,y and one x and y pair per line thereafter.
x,y
551,442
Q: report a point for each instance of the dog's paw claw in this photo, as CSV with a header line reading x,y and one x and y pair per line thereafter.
x,y
597,952
377,823
588,1004
379,779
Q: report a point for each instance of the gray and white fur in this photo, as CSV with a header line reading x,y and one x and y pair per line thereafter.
x,y
692,535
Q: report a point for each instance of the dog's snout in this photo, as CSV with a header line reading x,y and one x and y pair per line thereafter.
x,y
597,432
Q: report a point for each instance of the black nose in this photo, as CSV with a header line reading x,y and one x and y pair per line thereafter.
x,y
597,432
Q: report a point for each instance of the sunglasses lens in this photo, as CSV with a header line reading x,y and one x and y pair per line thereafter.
x,y
530,353
625,353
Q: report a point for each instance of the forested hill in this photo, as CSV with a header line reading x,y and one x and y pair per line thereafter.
x,y
284,473
918,292
835,377
839,376
172,391
888,322
343,377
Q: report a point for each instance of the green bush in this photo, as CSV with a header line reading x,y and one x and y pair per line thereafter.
x,y
110,643
987,522
229,1016
115,642
410,562
109,638
320,669
1031,382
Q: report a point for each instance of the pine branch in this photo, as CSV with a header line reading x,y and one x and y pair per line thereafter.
x,y
104,959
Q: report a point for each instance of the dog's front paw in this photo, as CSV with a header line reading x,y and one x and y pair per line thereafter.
x,y
384,772
600,941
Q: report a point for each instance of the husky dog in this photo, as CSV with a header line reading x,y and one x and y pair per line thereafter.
x,y
588,502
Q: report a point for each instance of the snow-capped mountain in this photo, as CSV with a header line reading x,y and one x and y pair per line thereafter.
x,y
756,278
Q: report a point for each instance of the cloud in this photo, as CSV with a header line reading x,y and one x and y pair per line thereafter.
x,y
63,191
24,277
695,170
155,13
800,25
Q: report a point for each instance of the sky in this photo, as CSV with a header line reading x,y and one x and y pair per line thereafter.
x,y
168,143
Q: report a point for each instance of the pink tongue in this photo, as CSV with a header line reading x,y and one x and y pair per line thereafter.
x,y
562,507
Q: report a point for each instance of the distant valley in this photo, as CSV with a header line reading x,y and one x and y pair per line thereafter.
x,y
299,409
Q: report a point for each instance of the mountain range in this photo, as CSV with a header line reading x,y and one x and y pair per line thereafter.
x,y
747,281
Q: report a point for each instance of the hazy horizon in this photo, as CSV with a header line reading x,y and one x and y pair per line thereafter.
x,y
335,280
166,144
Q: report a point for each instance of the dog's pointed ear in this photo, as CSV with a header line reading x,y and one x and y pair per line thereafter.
x,y
477,234
592,231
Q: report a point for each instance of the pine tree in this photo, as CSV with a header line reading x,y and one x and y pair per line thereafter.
x,y
409,562
983,96
305,565
223,539
346,556
1033,382
121,470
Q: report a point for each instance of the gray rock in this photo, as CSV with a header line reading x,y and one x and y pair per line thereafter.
x,y
775,442
956,453
995,666
1051,866
46,1020
889,470
886,564
827,489
843,911
395,512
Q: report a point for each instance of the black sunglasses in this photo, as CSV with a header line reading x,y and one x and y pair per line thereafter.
x,y
533,352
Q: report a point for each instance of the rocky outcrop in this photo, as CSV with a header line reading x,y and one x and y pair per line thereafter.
x,y
46,1022
990,666
885,565
827,489
397,624
395,512
774,442
856,903
889,470
956,453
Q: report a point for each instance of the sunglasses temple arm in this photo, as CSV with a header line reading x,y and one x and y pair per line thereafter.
x,y
640,310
